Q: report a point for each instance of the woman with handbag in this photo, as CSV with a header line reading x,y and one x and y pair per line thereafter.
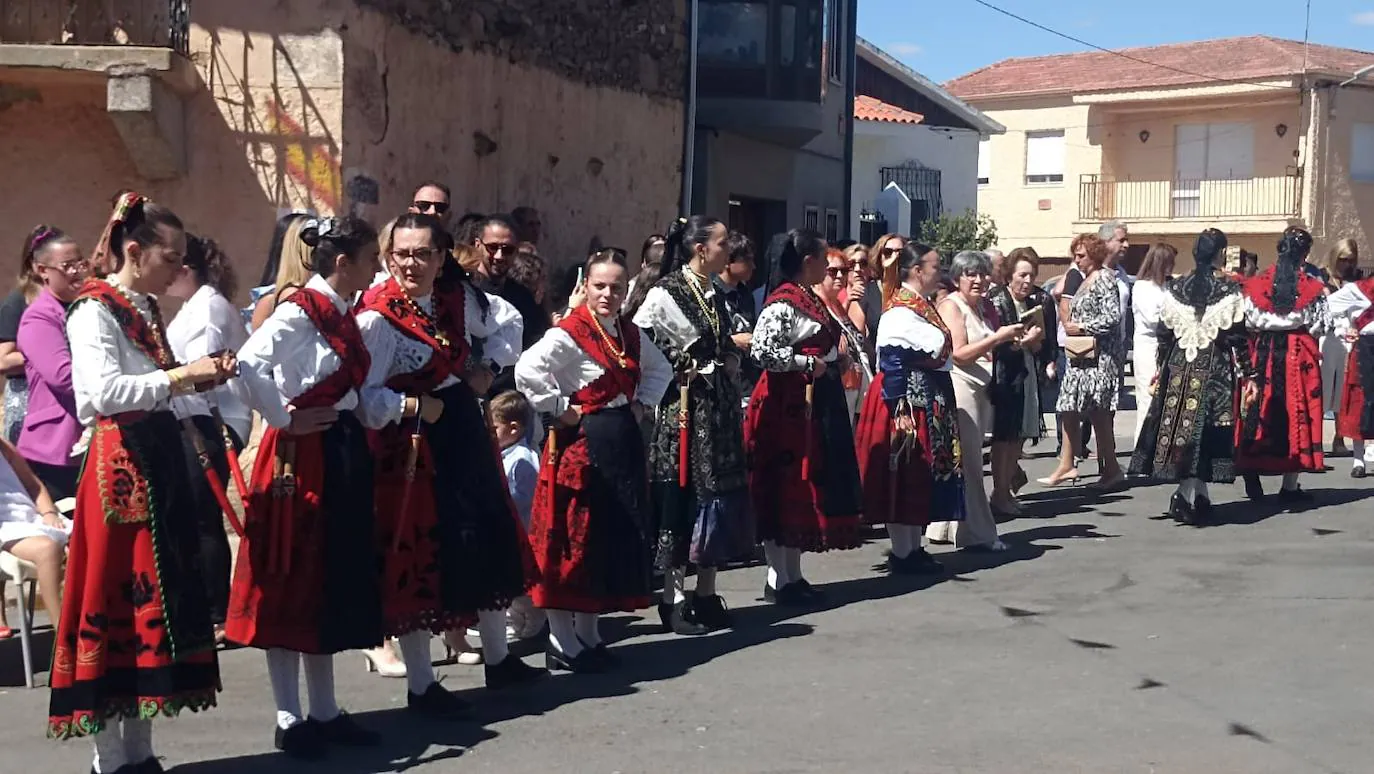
x,y
1093,353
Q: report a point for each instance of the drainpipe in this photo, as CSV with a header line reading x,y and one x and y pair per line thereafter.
x,y
850,91
689,124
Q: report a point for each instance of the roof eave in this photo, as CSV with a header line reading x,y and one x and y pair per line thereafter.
x,y
929,88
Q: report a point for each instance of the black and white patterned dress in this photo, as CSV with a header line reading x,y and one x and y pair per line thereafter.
x,y
1093,384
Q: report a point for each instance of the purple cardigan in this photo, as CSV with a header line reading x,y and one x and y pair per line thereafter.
x,y
51,426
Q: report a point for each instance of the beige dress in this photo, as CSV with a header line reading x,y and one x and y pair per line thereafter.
x,y
979,527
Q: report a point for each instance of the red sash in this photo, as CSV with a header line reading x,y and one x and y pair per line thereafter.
x,y
617,379
443,333
1260,290
341,332
810,307
926,311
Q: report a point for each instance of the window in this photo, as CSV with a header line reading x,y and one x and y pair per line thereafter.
x,y
1044,157
834,49
832,226
733,34
812,218
984,161
1214,152
1362,153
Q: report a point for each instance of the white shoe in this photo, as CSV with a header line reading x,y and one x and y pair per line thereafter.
x,y
383,667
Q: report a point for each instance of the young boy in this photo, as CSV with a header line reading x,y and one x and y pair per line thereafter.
x,y
510,414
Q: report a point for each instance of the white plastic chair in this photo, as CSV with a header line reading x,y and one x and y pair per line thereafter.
x,y
25,577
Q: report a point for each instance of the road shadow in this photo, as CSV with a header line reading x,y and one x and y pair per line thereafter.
x,y
1244,512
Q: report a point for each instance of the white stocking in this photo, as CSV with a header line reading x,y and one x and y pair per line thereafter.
x,y
284,672
902,537
794,571
138,740
706,581
563,633
109,749
492,625
776,556
588,628
319,686
1290,482
675,586
419,667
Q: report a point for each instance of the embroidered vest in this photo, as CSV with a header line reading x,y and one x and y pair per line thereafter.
x,y
809,306
443,333
617,379
926,311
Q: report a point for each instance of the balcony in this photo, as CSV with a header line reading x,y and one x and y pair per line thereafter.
x,y
1260,201
136,51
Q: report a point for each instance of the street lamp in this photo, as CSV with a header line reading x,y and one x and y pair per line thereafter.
x,y
1359,74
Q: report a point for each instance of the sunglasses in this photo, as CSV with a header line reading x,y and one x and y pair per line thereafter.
x,y
889,250
497,248
423,206
838,272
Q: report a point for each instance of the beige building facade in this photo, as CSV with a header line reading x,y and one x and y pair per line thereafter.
x,y
1248,144
231,113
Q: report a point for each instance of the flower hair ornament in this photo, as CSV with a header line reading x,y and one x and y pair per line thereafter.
x,y
104,258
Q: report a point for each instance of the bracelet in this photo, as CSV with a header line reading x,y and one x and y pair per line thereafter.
x,y
58,514
410,407
176,377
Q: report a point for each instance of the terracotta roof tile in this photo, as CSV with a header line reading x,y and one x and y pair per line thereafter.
x,y
870,109
1230,59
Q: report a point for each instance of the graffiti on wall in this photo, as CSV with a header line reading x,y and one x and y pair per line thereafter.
x,y
306,160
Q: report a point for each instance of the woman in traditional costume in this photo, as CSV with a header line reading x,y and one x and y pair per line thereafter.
x,y
304,586
594,372
455,550
134,637
1352,310
1280,432
703,509
908,437
798,436
1189,431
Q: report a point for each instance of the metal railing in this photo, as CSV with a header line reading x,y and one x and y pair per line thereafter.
x,y
1103,198
97,22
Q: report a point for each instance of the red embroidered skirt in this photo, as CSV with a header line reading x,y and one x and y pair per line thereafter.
x,y
820,512
306,577
134,637
1352,398
908,493
588,525
1281,432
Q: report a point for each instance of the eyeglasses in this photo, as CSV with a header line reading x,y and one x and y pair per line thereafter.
x,y
418,255
838,272
423,206
70,267
889,250
496,248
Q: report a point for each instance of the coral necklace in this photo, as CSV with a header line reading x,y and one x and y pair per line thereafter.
x,y
612,347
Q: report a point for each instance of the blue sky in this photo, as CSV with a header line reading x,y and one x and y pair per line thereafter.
x,y
943,39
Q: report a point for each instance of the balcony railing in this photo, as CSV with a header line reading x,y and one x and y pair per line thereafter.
x,y
1102,198
161,23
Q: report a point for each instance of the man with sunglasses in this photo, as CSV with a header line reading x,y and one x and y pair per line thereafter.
x,y
496,239
433,198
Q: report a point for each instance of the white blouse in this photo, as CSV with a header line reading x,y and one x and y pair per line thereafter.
x,y
1345,305
208,323
287,356
661,313
780,328
394,353
1146,300
109,374
555,367
901,327
1313,317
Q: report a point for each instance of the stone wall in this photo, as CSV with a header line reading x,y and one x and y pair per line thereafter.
x,y
631,45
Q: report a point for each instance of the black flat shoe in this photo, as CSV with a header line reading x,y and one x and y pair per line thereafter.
x,y
150,766
608,659
301,741
343,731
584,663
1358,472
1202,510
1253,488
1180,510
437,702
683,620
918,562
790,595
511,672
712,612
809,593
1297,496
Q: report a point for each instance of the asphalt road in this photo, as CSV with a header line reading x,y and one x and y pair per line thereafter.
x,y
1106,640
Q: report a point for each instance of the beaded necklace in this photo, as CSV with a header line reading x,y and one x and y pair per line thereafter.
x,y
164,352
694,281
612,347
428,321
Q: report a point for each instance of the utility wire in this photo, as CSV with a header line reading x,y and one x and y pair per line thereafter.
x,y
1124,55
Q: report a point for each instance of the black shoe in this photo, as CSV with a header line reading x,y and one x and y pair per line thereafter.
x,y
603,654
301,741
512,671
918,562
150,766
1253,488
790,595
712,612
809,593
437,702
1358,472
1294,496
584,663
343,731
683,620
1202,510
1180,510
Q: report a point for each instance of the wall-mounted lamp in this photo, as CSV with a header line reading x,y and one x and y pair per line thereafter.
x,y
1144,135
1281,129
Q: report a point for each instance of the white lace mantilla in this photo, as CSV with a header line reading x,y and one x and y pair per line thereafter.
x,y
1195,333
